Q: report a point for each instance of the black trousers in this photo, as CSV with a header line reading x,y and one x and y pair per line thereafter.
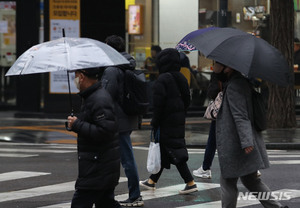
x,y
182,169
101,198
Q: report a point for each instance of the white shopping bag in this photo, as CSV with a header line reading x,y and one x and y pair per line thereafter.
x,y
154,159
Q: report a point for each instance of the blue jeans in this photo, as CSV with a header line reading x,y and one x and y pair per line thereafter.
x,y
210,149
128,162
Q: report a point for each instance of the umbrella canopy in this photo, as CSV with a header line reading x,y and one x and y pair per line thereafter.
x,y
244,52
66,54
184,45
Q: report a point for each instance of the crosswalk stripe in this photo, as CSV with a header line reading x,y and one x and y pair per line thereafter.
x,y
285,162
35,150
19,175
242,203
63,205
150,194
16,155
68,204
167,191
283,156
39,191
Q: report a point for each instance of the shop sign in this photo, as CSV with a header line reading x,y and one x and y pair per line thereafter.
x,y
135,21
63,14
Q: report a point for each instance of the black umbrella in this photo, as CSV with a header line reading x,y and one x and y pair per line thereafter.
x,y
246,53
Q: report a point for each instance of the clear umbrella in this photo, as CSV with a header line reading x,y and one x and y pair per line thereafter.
x,y
66,54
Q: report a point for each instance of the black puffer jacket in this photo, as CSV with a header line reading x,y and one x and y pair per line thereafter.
x,y
170,101
98,146
113,81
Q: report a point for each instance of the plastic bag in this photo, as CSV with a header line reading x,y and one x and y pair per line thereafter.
x,y
154,159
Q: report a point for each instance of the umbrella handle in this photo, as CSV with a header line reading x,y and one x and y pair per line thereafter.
x,y
70,95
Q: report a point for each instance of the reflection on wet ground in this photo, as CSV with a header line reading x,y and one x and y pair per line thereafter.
x,y
53,131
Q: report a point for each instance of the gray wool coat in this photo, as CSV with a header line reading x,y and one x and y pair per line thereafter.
x,y
234,132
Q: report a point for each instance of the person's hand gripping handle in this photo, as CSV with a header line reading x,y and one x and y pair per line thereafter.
x,y
69,123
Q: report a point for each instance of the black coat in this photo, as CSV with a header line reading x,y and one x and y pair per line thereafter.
x,y
170,101
98,145
113,81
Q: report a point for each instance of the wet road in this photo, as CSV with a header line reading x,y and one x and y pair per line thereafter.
x,y
39,166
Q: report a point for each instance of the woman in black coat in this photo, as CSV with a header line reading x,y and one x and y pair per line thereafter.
x,y
170,101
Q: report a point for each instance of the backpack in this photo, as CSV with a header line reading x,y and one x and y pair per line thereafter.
x,y
259,111
136,95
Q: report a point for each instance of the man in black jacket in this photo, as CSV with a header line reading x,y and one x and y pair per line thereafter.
x,y
113,81
97,144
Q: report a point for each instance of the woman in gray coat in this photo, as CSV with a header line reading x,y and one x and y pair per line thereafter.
x,y
241,150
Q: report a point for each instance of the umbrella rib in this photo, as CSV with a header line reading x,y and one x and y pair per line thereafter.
x,y
68,54
25,64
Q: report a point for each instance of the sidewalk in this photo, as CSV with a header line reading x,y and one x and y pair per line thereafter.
x,y
196,134
197,129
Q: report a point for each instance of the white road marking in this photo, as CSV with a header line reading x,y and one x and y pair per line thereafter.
x,y
150,194
242,203
35,150
285,162
16,155
40,191
68,204
283,156
19,175
167,191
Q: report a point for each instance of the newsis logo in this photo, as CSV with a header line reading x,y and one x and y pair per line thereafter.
x,y
265,196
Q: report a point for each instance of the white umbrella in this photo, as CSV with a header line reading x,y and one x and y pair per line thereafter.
x,y
66,54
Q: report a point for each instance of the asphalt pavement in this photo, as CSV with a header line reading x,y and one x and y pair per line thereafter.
x,y
38,160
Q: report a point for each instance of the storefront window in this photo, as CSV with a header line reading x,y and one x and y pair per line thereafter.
x,y
7,51
167,21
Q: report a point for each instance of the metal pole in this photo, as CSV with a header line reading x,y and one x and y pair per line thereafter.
x,y
71,104
70,94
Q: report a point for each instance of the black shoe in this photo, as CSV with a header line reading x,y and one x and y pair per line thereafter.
x,y
285,207
147,185
189,189
132,203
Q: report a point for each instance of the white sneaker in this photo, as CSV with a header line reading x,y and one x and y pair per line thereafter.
x,y
258,173
202,173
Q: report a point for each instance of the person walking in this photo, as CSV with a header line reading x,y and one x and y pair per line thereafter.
x,y
113,81
241,149
150,65
204,171
97,144
170,102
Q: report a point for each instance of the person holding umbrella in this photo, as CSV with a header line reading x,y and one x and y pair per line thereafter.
x,y
97,144
241,149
